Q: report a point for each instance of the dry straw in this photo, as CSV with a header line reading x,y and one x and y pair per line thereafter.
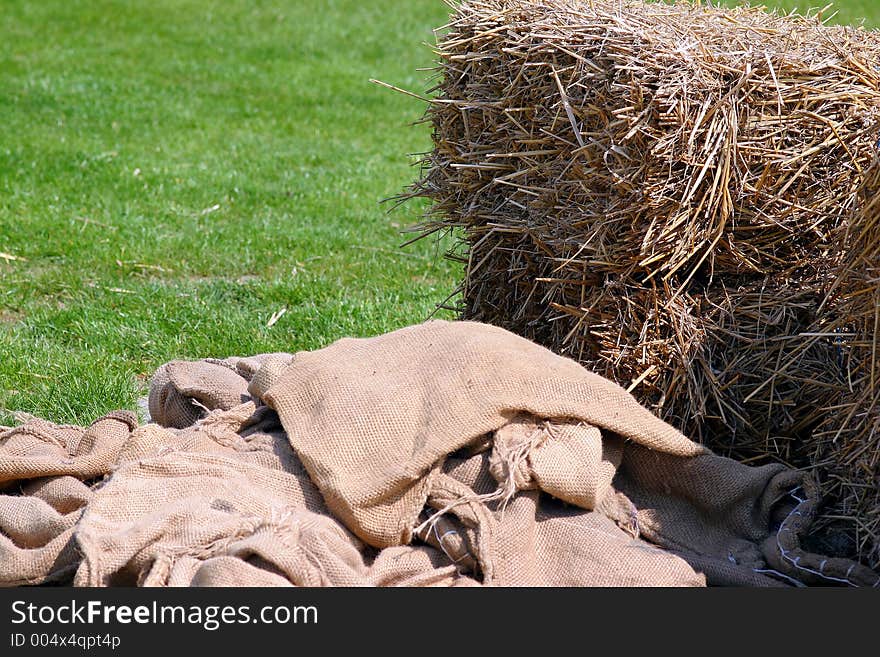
x,y
683,198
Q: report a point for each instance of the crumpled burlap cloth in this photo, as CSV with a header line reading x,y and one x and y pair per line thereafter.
x,y
446,453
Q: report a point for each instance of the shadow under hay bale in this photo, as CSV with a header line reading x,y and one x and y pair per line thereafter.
x,y
683,199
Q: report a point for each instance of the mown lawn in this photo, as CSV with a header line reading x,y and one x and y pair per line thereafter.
x,y
173,174
854,12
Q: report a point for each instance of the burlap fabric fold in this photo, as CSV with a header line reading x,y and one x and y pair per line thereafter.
x,y
183,392
46,470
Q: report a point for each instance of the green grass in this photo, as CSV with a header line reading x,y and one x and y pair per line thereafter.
x,y
172,173
853,12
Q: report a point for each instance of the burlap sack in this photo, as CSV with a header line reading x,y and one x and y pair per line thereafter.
x,y
417,565
40,449
156,519
44,466
154,511
398,566
246,432
214,571
188,516
36,530
373,421
534,540
445,454
183,392
227,485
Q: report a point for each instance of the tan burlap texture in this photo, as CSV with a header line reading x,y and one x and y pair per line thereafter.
x,y
442,454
